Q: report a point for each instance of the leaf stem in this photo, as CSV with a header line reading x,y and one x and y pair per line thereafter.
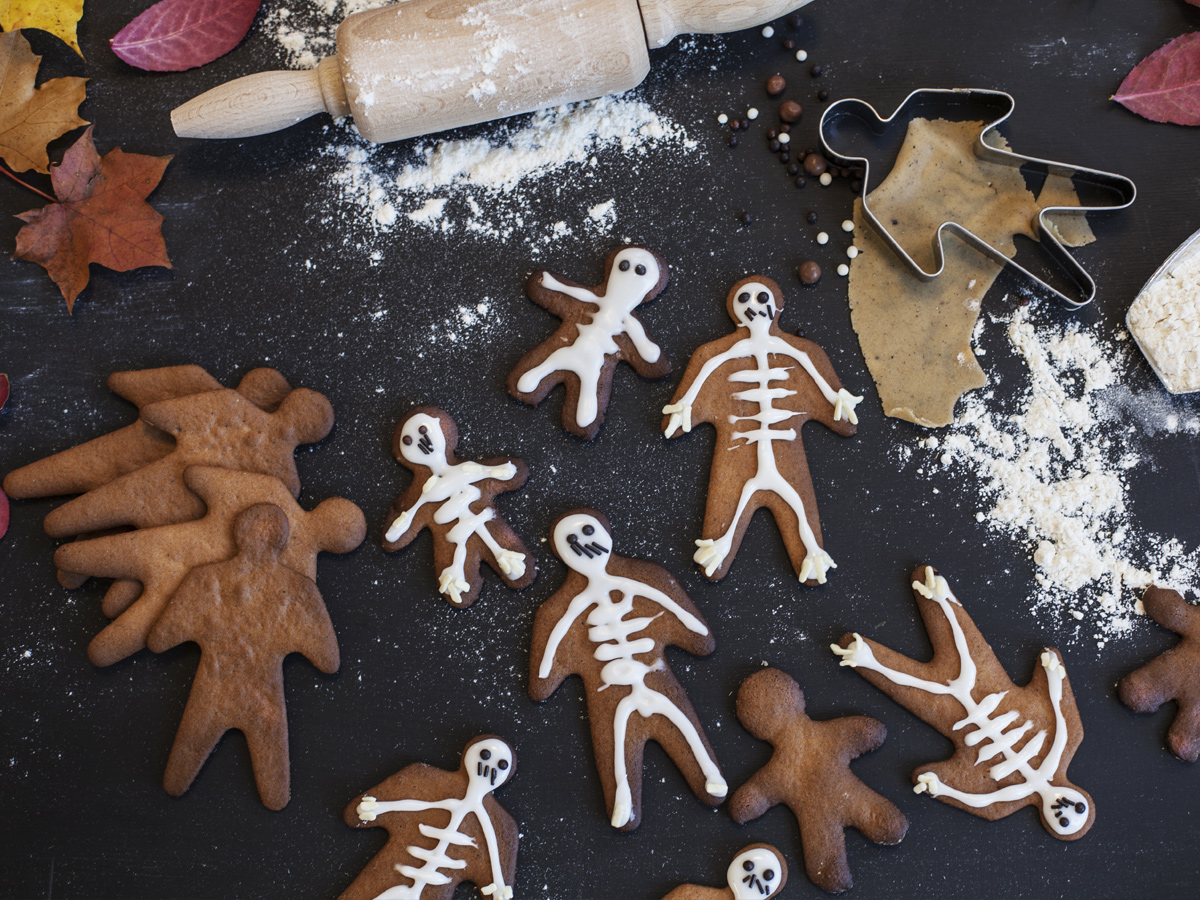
x,y
26,185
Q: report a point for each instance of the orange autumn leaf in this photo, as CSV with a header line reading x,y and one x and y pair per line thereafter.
x,y
59,17
101,216
30,118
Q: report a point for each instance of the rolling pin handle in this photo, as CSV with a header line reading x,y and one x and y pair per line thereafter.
x,y
262,103
664,19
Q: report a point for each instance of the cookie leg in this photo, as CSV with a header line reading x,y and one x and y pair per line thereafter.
x,y
700,755
147,498
1183,737
531,379
202,725
622,811
815,562
268,741
509,563
876,817
824,851
715,553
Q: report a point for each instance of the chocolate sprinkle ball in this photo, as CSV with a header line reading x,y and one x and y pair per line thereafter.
x,y
809,272
790,111
815,164
776,85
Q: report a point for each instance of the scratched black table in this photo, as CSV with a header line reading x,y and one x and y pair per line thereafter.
x,y
83,748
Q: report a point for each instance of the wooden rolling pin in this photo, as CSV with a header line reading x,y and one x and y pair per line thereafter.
x,y
422,66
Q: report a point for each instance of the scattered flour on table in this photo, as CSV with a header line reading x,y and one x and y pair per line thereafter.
x,y
1051,469
305,29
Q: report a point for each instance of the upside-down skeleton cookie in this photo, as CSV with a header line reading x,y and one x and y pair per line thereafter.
x,y
443,828
160,558
758,872
758,386
224,607
599,330
810,772
1012,744
454,499
609,623
1175,675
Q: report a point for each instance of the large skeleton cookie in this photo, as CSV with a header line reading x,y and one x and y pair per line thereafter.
x,y
810,772
160,558
599,330
1012,744
443,828
1175,675
609,623
247,614
757,873
454,499
758,386
215,428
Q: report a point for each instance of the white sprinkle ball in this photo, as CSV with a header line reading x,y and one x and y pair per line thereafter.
x,y
785,138
847,226
752,112
768,32
802,55
843,270
822,238
722,118
852,251
826,179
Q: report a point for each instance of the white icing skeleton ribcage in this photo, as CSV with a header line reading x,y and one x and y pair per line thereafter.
x,y
1064,809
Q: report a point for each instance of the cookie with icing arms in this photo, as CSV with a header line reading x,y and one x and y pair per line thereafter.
x,y
758,386
443,828
1175,675
810,773
1012,745
609,623
757,873
455,500
599,330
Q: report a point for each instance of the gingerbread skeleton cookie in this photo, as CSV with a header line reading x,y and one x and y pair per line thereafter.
x,y
757,873
599,329
443,828
1012,744
810,772
454,499
1175,675
759,386
609,623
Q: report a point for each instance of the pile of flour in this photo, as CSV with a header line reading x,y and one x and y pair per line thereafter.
x,y
1050,457
476,187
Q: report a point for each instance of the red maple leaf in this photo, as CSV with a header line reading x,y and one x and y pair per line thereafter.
x,y
101,217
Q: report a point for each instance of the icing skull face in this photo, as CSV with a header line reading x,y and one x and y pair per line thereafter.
x,y
1067,812
583,543
489,763
755,305
754,874
634,269
422,441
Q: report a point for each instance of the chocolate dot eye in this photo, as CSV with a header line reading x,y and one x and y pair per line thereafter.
x,y
485,754
624,266
748,865
407,440
502,765
423,430
743,298
588,529
769,874
641,270
763,297
1079,808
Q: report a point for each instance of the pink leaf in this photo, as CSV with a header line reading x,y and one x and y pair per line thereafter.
x,y
174,35
1165,86
3,514
3,389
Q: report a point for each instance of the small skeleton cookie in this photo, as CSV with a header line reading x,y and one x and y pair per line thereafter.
x,y
609,623
810,772
757,873
454,499
1175,675
443,828
1012,744
247,614
599,330
759,386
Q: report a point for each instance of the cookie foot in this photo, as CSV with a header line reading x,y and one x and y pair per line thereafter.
x,y
450,584
711,554
511,563
815,565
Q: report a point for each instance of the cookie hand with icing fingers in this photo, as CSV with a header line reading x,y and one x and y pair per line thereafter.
x,y
1174,675
1012,744
758,872
810,772
455,500
609,623
443,828
758,386
599,330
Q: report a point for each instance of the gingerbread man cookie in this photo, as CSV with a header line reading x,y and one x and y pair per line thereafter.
x,y
599,330
454,499
1012,745
609,623
1175,675
759,386
810,772
443,828
757,873
247,614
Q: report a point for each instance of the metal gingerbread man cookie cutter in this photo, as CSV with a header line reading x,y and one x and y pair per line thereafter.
x,y
995,107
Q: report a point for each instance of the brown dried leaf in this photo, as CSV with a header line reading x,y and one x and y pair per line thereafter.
x,y
30,118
